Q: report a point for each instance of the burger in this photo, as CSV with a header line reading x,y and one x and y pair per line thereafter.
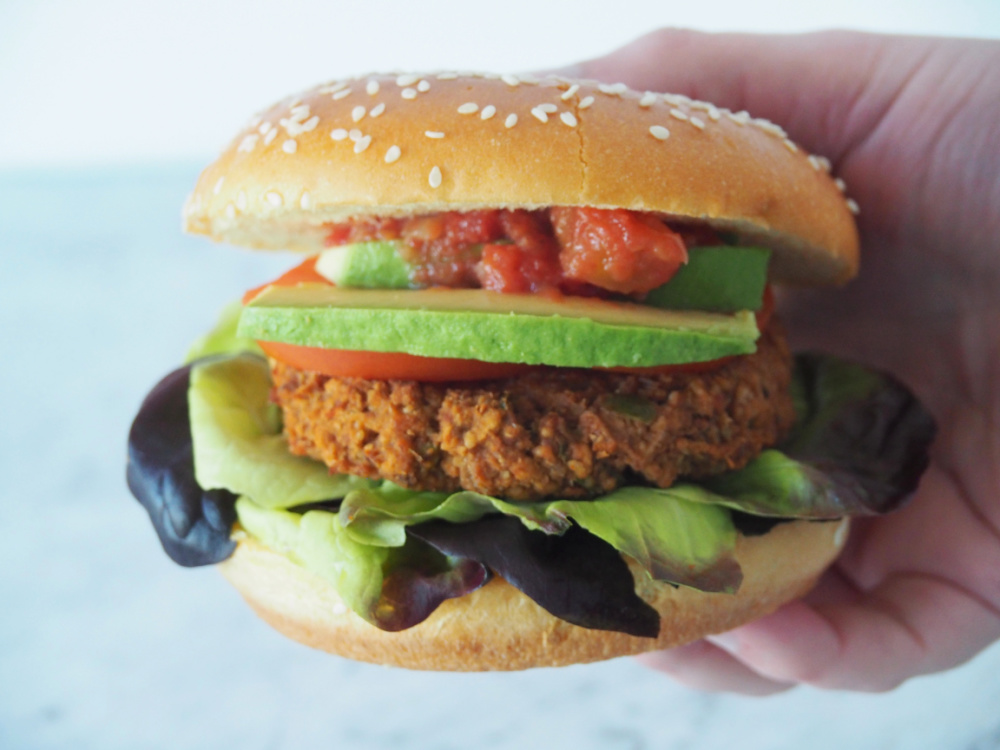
x,y
525,401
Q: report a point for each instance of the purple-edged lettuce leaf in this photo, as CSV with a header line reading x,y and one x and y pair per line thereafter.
x,y
860,445
681,535
574,576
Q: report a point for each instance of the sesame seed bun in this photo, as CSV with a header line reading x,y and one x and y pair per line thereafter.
x,y
498,628
408,144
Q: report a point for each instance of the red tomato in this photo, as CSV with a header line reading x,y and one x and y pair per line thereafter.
x,y
624,251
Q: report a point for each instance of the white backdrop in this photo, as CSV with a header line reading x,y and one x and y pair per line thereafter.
x,y
122,81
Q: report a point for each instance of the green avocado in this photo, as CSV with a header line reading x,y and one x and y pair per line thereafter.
x,y
722,278
493,327
366,265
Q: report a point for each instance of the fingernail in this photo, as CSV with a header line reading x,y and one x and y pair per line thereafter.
x,y
728,642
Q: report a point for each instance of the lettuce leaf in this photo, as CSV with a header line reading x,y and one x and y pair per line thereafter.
x,y
392,589
575,576
237,440
860,445
680,535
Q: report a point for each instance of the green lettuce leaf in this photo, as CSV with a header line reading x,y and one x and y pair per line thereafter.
x,y
393,589
678,535
237,441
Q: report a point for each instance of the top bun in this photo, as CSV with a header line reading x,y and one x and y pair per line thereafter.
x,y
406,144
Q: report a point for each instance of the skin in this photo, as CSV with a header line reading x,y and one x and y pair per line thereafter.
x,y
913,126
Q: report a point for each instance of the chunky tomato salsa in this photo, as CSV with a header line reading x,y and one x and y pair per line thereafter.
x,y
578,251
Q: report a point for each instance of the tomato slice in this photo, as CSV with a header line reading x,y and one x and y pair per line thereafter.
x,y
344,363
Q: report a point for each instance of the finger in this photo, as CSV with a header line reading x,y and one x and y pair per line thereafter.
x,y
912,624
702,666
827,89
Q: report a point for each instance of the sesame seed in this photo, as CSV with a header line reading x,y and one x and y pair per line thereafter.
x,y
510,80
769,127
299,112
310,124
814,162
740,118
362,143
406,79
377,110
447,76
674,112
230,211
271,135
423,86
568,119
853,207
698,123
511,121
613,89
264,127
790,145
248,142
548,108
528,79
648,99
274,198
824,163
358,113
713,113
488,111
586,102
468,108
570,92
841,186
408,93
241,200
339,86
355,134
434,134
392,154
540,114
305,201
289,146
341,94
218,186
677,99
434,178
372,88
659,132
338,134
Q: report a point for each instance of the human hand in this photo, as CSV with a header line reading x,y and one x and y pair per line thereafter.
x,y
913,126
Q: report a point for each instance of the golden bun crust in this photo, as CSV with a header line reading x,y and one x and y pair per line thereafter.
x,y
498,628
400,145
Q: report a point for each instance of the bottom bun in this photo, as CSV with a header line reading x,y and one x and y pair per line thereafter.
x,y
498,628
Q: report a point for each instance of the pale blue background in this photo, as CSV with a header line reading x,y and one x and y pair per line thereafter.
x,y
108,111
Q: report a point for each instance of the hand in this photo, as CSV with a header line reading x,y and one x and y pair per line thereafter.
x,y
913,126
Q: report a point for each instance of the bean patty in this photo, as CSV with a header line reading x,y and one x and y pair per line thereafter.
x,y
551,433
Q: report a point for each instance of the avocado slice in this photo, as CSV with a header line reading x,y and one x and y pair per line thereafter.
x,y
720,279
493,327
366,265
